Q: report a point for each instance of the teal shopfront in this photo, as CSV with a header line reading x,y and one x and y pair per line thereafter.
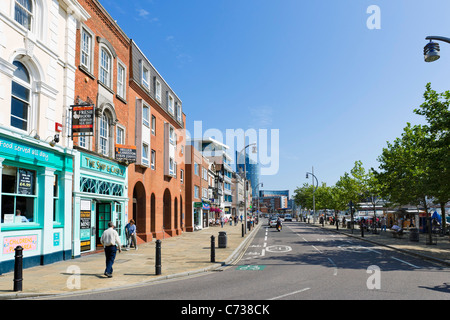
x,y
100,196
36,200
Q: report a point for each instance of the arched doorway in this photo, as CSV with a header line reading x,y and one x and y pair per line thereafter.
x,y
175,216
181,212
153,213
139,205
167,211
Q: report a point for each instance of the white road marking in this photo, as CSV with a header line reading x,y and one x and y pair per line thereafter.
x,y
410,264
335,267
317,249
290,294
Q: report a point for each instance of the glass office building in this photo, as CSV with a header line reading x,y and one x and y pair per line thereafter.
x,y
253,171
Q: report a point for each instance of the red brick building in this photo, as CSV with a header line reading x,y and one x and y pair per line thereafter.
x,y
100,180
156,181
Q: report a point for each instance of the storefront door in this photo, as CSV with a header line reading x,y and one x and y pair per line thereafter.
x,y
103,217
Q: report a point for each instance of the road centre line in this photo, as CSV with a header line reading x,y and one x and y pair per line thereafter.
x,y
317,249
335,267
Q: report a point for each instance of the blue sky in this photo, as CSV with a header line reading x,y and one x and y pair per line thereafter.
x,y
335,90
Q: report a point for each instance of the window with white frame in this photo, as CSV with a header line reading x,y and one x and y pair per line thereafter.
x,y
171,166
178,111
105,67
120,135
145,79
158,90
86,50
23,13
145,154
21,98
121,80
170,103
172,135
205,193
146,116
104,134
153,124
153,159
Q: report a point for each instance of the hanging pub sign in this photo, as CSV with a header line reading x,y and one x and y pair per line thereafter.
x,y
125,153
83,118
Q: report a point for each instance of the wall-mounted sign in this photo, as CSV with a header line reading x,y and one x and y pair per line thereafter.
x,y
26,182
83,118
26,242
125,153
102,166
85,225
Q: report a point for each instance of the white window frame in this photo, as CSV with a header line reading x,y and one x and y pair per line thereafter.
x,y
121,81
30,27
158,91
170,103
172,135
104,135
29,86
145,151
145,118
153,125
105,72
89,51
120,134
196,192
171,166
145,76
153,159
178,106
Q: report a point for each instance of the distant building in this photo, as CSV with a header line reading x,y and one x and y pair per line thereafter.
x,y
252,168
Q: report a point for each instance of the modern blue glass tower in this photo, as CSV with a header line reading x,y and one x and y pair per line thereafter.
x,y
253,171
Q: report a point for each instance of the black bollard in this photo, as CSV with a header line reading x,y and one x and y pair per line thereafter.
x,y
243,230
18,267
158,258
213,249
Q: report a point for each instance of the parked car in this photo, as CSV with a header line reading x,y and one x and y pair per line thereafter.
x,y
288,217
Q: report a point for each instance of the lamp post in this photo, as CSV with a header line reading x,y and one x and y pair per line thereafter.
x,y
257,187
245,181
314,191
431,51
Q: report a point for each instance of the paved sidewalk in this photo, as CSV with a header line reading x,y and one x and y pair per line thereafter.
x,y
186,254
439,252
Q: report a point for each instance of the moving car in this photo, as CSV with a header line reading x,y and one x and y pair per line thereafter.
x,y
288,217
272,222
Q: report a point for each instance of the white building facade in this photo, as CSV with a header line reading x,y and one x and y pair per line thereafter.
x,y
37,81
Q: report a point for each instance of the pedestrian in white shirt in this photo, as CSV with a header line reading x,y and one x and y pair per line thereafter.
x,y
111,242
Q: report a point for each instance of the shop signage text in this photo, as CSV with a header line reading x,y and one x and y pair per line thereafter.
x,y
105,167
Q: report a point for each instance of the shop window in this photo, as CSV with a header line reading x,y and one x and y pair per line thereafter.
x,y
118,224
18,195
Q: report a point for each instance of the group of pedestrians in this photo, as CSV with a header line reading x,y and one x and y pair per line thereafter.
x,y
111,243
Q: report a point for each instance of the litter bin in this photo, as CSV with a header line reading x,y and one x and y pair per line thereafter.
x,y
222,239
414,234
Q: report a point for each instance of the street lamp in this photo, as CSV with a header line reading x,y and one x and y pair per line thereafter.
x,y
314,191
245,182
257,187
431,51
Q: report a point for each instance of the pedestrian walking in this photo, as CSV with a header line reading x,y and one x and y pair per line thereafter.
x,y
111,243
383,223
130,232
